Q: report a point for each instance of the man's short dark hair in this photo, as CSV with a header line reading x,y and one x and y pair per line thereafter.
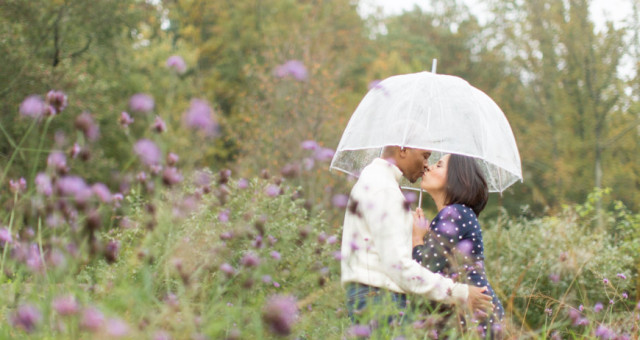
x,y
466,184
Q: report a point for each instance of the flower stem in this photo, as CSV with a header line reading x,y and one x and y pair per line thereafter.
x,y
17,149
6,245
44,133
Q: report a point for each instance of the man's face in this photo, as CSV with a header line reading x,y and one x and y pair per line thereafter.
x,y
414,163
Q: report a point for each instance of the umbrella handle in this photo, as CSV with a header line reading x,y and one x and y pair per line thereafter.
x,y
420,199
434,64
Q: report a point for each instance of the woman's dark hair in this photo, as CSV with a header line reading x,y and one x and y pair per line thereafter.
x,y
466,184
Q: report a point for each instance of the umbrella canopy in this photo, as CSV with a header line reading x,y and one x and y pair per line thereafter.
x,y
435,112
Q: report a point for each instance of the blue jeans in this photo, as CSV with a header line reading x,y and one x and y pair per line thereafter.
x,y
362,298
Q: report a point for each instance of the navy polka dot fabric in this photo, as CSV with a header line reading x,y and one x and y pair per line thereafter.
x,y
453,247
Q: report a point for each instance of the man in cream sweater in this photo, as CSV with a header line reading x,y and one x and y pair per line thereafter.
x,y
376,240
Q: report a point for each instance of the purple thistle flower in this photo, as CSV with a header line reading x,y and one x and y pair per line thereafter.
x,y
148,152
611,302
622,276
177,63
465,247
200,116
555,278
266,278
292,68
605,281
638,305
308,163
227,269
33,107
111,251
276,284
272,190
223,216
92,319
243,183
324,154
280,313
159,125
603,332
18,186
275,255
85,123
250,260
26,317
75,150
172,159
309,145
102,192
625,295
332,239
340,201
55,258
57,101
141,102
57,160
582,322
125,120
337,255
5,236
581,308
598,307
171,176
359,331
161,335
71,186
65,305
117,327
574,315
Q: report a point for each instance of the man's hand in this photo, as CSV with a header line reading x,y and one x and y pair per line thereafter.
x,y
420,227
478,301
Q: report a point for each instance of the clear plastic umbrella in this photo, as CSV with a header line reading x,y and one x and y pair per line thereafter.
x,y
437,112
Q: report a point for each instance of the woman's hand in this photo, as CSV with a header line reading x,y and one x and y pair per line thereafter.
x,y
420,227
479,302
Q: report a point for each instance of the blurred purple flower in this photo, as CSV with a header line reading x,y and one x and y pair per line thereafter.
x,y
340,201
159,125
57,101
18,185
622,276
332,239
227,269
65,305
359,331
177,63
71,186
161,335
33,107
292,68
280,313
172,159
26,317
200,116
117,327
141,102
276,284
171,176
555,278
411,197
603,332
611,302
581,308
102,192
5,237
272,190
55,258
625,295
275,255
598,307
582,322
324,154
57,160
125,119
309,145
465,247
141,176
111,251
223,216
266,278
85,123
638,305
250,260
75,150
605,280
243,183
148,152
308,163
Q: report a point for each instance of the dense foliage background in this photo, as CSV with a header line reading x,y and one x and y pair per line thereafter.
x,y
225,218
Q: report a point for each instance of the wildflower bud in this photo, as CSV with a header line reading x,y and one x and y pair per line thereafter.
x,y
111,251
259,224
57,102
141,102
89,128
243,183
125,120
272,190
93,221
291,170
18,186
172,159
223,176
250,260
264,174
65,305
171,176
26,317
227,269
177,63
277,180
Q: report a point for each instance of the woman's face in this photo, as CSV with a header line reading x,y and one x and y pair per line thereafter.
x,y
435,178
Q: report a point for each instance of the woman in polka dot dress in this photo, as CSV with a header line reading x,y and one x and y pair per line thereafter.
x,y
452,245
